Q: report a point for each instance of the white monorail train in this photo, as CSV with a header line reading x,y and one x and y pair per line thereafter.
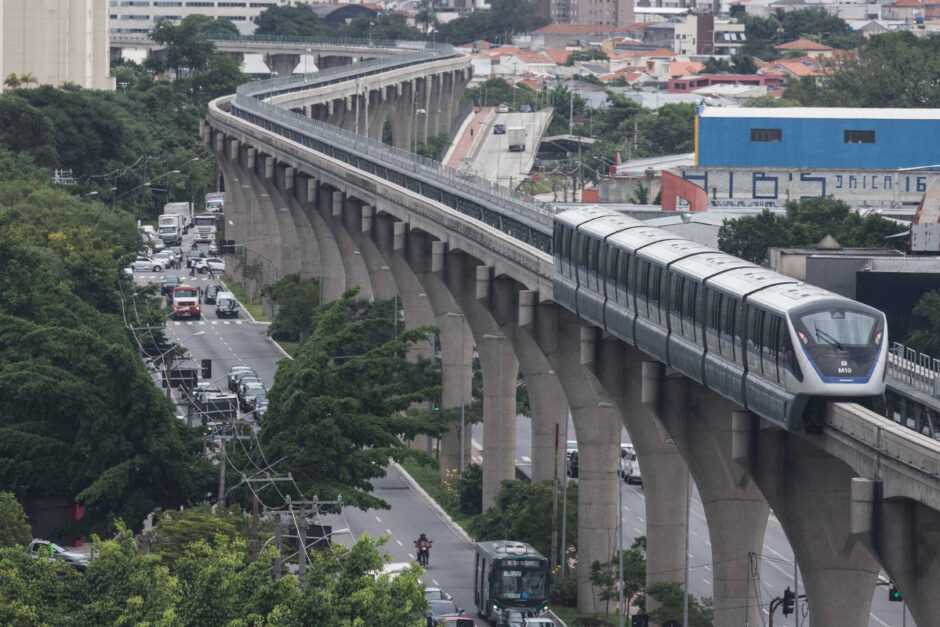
x,y
720,320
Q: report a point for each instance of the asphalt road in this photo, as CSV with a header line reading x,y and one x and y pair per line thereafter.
x,y
494,162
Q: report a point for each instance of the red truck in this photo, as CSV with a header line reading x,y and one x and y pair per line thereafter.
x,y
185,302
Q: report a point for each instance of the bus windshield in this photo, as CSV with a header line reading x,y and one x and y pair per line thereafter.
x,y
521,584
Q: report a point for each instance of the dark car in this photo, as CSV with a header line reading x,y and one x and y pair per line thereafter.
x,y
170,282
235,378
572,464
499,129
525,109
226,307
211,293
251,394
440,609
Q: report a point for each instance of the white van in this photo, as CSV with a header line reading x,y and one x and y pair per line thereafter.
x,y
629,467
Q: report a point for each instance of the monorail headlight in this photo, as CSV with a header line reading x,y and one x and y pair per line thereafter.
x,y
878,338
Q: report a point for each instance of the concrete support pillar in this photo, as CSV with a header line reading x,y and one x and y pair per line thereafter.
x,y
269,168
333,274
233,148
456,379
633,383
905,535
205,131
289,180
500,371
698,420
368,214
380,281
250,154
810,492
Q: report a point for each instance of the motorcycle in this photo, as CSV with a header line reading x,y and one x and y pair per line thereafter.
x,y
423,551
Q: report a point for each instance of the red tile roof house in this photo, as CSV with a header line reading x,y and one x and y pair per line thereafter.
x,y
810,48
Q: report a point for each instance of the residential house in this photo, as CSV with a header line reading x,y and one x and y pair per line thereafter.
x,y
702,34
904,10
556,36
688,84
810,48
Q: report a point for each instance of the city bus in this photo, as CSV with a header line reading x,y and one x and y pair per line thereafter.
x,y
507,576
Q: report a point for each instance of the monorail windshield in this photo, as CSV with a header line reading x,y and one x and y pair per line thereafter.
x,y
842,342
840,327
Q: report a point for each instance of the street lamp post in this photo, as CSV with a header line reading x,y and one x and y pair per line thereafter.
x,y
414,129
463,384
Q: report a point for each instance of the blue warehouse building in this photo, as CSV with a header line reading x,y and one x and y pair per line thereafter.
x,y
817,137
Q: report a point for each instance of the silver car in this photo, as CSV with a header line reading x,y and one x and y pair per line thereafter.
x,y
147,264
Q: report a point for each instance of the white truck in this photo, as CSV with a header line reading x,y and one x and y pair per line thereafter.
x,y
170,229
206,225
184,209
215,202
515,135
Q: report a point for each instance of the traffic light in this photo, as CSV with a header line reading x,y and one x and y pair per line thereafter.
x,y
788,598
894,594
206,368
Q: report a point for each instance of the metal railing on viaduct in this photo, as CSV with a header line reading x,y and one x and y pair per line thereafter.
x,y
866,482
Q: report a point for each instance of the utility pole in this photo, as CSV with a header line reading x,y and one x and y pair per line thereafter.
x,y
255,519
277,542
554,552
302,543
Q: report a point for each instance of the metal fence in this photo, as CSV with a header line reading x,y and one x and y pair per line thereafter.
x,y
917,370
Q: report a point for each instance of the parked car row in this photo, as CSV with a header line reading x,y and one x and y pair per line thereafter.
x,y
250,390
442,610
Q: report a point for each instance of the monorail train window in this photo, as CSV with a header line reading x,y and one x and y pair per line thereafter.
x,y
557,232
642,288
786,356
623,265
566,248
713,321
593,254
611,256
768,345
632,270
689,298
737,328
754,320
675,303
655,279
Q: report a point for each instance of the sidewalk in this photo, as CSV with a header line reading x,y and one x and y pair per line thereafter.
x,y
463,144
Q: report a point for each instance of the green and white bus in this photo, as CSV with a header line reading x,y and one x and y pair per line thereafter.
x,y
507,576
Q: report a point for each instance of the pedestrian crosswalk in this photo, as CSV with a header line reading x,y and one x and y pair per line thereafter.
x,y
204,322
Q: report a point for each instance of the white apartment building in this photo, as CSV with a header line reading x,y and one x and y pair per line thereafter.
x,y
137,17
56,42
703,34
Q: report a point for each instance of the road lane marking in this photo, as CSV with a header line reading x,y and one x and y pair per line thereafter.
x,y
708,568
411,556
637,530
707,582
526,459
641,519
434,581
378,519
388,531
399,543
692,532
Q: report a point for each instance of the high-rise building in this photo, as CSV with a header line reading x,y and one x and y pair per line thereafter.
x,y
56,41
138,17
595,12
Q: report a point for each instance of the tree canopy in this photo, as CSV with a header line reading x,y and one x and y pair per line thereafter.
x,y
298,20
14,529
505,18
339,410
892,70
212,582
763,34
806,223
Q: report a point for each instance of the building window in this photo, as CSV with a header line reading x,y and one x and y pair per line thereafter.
x,y
859,137
765,135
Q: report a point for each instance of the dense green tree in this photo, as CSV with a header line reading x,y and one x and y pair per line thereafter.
x,y
335,410
769,101
505,18
523,512
670,597
893,70
175,530
296,299
185,46
385,27
435,147
806,223
26,129
591,54
668,131
811,21
749,237
297,20
14,529
716,65
606,575
764,33
215,28
743,64
927,340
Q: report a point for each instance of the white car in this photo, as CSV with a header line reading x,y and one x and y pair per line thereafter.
x,y
147,264
166,257
503,108
217,265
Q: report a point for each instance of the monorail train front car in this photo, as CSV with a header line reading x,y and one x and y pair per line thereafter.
x,y
778,347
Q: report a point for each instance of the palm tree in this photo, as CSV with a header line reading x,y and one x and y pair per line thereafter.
x,y
426,15
12,81
27,78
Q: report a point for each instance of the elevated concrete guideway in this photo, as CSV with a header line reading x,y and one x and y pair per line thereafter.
x,y
474,259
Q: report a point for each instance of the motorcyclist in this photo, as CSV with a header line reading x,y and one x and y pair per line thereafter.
x,y
423,546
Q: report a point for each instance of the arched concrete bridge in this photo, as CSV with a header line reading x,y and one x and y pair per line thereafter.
x,y
472,257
